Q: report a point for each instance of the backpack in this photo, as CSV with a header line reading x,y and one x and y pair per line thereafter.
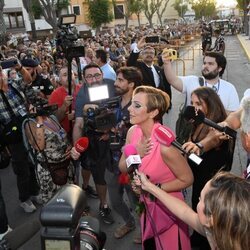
x,y
183,128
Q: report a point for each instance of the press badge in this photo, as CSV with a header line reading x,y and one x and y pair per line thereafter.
x,y
22,111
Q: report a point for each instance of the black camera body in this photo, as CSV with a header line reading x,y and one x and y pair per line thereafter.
x,y
6,64
104,117
66,40
64,227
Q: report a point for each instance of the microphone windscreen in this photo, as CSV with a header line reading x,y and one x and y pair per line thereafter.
x,y
164,135
193,115
129,149
245,116
82,144
22,234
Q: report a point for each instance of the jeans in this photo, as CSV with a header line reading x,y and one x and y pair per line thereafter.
x,y
24,171
3,215
116,192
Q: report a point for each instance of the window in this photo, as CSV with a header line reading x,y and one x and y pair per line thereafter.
x,y
76,10
13,20
118,10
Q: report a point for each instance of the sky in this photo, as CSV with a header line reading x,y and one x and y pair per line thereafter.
x,y
226,2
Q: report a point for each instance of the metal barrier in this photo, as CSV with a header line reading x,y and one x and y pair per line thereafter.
x,y
177,67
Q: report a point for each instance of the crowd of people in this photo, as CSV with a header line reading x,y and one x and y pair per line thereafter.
x,y
43,116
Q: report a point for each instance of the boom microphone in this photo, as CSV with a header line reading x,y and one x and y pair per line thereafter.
x,y
82,144
197,117
20,235
133,160
166,137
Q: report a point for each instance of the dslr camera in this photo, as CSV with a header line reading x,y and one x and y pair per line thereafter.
x,y
65,227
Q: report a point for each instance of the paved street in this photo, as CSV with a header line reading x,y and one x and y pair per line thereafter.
x,y
237,73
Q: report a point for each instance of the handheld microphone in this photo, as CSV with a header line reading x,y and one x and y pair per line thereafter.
x,y
166,137
133,160
197,117
20,235
81,144
245,116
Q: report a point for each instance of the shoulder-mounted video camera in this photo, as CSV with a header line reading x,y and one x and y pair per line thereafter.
x,y
103,117
67,36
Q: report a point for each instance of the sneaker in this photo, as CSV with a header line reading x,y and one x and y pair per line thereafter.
x,y
105,213
3,234
90,192
121,231
37,199
28,206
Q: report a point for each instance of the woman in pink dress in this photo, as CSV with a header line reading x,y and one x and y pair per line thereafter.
x,y
165,167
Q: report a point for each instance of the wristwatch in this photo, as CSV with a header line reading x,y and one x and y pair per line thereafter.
x,y
39,125
201,147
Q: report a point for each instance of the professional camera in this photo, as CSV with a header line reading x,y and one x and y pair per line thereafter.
x,y
64,227
103,117
66,39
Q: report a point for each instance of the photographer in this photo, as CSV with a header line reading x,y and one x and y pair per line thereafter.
x,y
98,156
13,109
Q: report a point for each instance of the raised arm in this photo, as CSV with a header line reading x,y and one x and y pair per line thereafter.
x,y
173,80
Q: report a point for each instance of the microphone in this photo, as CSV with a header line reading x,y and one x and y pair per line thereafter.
x,y
197,117
81,144
245,116
133,160
20,235
166,137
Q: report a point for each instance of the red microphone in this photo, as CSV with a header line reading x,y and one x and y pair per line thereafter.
x,y
166,137
82,144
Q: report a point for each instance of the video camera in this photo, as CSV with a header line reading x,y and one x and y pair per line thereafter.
x,y
103,117
66,39
65,227
41,104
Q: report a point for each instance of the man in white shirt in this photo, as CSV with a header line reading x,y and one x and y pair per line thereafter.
x,y
213,68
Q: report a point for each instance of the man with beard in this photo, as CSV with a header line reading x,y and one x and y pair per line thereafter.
x,y
98,156
128,78
213,68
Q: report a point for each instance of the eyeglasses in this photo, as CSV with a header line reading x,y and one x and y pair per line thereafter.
x,y
96,76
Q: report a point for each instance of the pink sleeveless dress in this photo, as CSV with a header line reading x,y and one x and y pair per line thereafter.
x,y
157,221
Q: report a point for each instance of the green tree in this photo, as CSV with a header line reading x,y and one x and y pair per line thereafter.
x,y
2,23
242,4
161,8
28,6
180,7
203,8
99,13
137,7
150,7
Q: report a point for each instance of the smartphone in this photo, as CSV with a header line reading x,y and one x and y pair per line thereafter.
x,y
170,53
152,39
8,63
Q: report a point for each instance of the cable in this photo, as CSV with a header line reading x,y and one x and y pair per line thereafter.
x,y
152,222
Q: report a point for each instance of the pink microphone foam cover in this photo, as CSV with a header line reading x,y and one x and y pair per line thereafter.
x,y
164,135
129,149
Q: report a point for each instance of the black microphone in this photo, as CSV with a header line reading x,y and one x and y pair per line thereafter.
x,y
197,117
166,137
20,235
